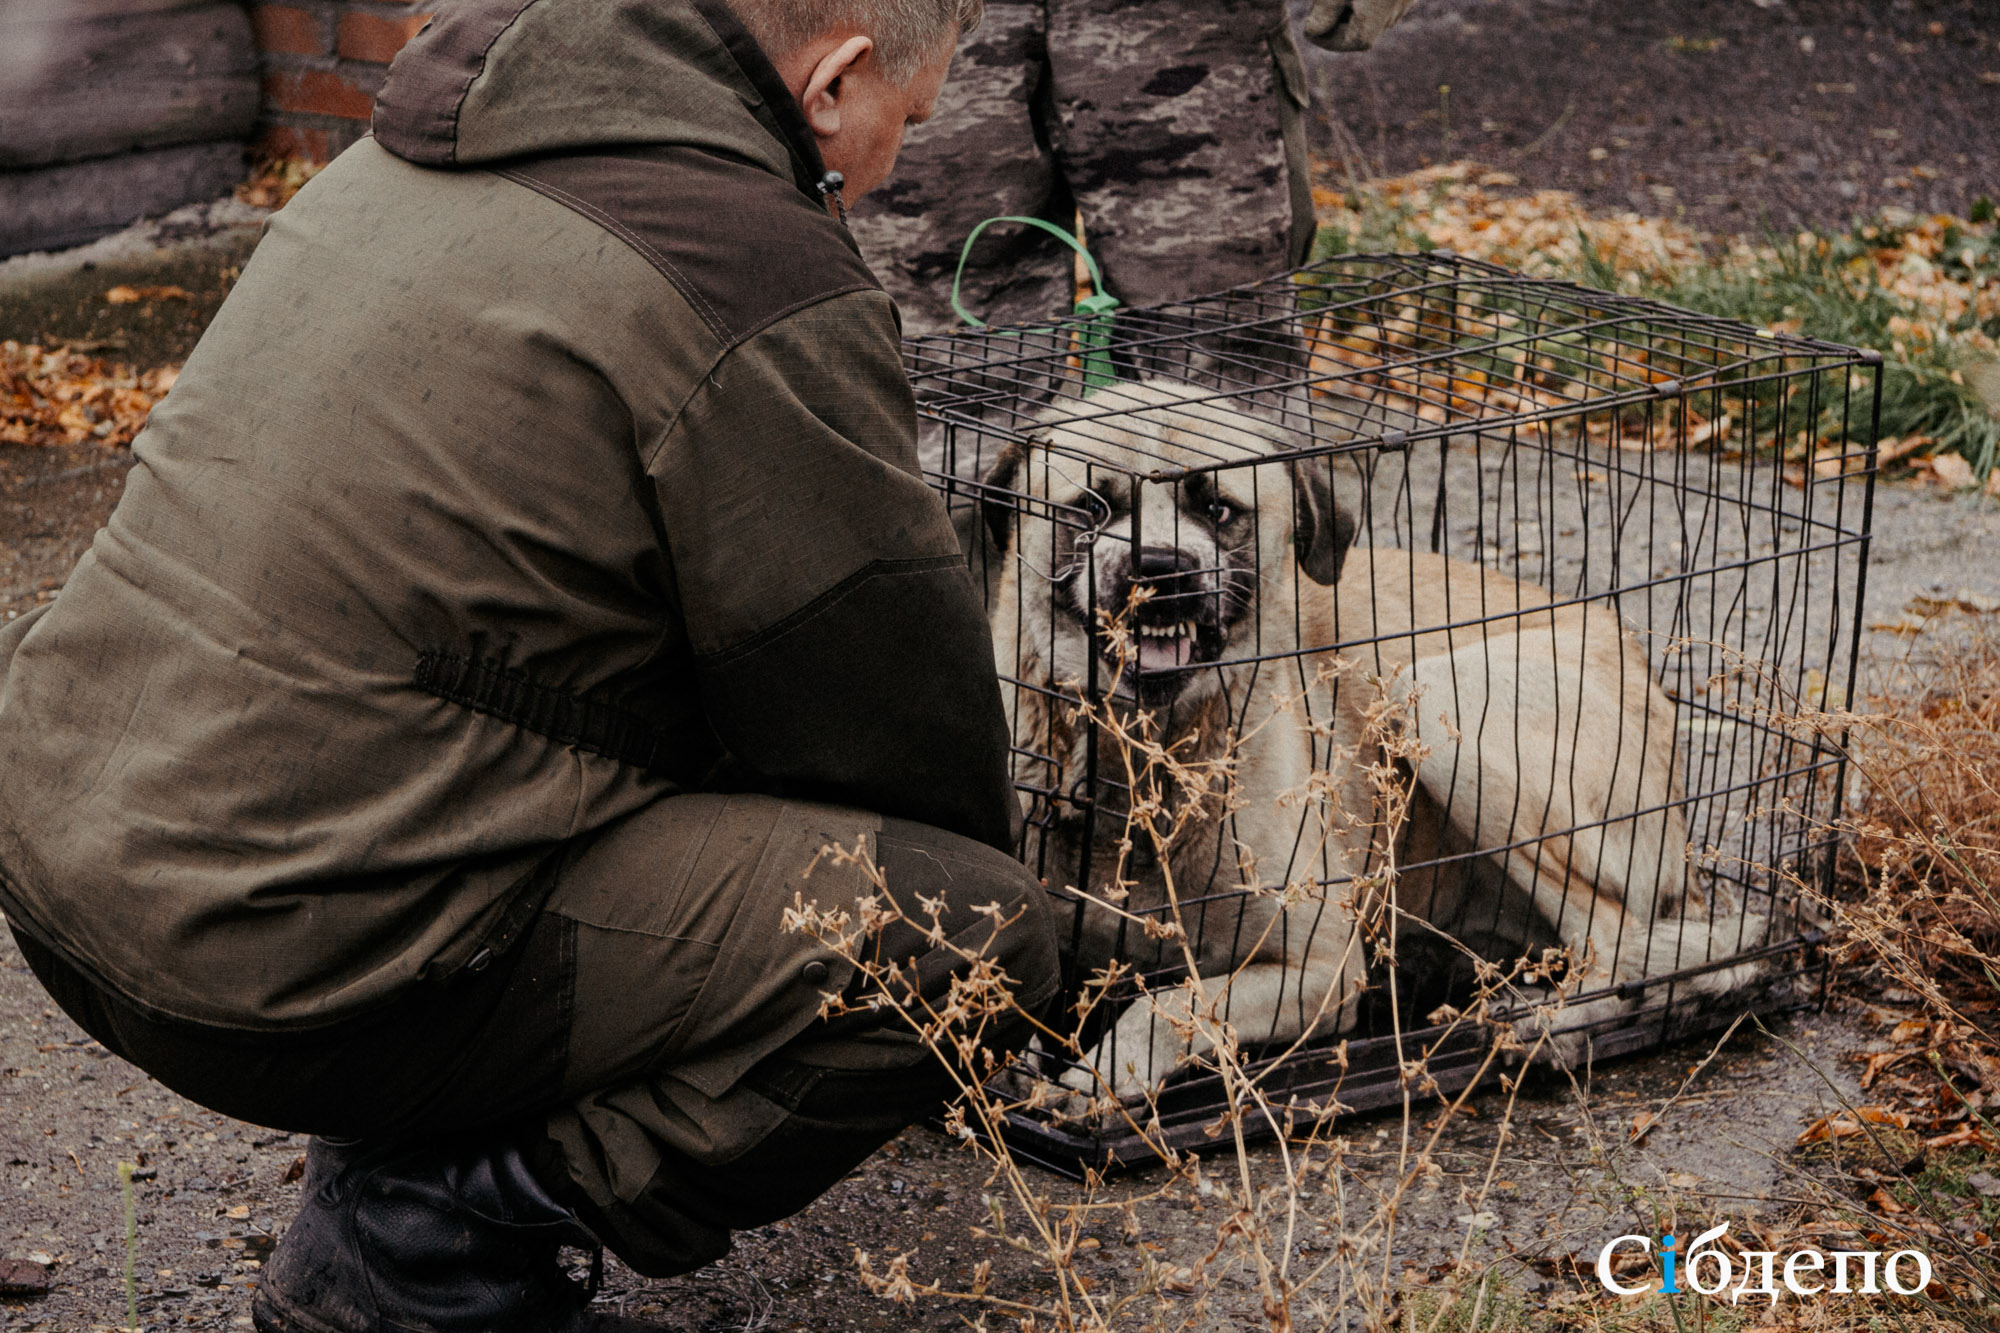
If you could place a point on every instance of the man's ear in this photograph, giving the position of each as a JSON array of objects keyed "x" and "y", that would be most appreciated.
[
  {"x": 1322, "y": 529},
  {"x": 820, "y": 99},
  {"x": 997, "y": 503}
]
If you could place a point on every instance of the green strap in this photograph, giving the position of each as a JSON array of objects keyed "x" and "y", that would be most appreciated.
[{"x": 1096, "y": 334}]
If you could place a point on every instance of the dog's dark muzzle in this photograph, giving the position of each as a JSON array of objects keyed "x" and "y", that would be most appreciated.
[{"x": 1178, "y": 613}]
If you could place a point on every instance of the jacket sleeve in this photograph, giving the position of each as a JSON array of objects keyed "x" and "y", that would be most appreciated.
[{"x": 840, "y": 645}]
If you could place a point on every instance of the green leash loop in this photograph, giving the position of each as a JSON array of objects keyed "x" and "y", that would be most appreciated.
[{"x": 1096, "y": 334}]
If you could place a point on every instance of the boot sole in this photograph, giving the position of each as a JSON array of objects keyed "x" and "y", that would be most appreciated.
[{"x": 269, "y": 1317}]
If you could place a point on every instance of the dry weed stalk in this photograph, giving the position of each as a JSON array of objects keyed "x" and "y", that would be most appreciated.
[
  {"x": 1267, "y": 1209},
  {"x": 1926, "y": 834},
  {"x": 1920, "y": 838},
  {"x": 1916, "y": 930}
]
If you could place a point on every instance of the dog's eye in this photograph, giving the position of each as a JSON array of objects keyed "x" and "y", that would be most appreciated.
[
  {"x": 1095, "y": 505},
  {"x": 1219, "y": 512}
]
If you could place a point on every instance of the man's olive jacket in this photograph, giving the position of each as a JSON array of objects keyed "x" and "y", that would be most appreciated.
[{"x": 552, "y": 455}]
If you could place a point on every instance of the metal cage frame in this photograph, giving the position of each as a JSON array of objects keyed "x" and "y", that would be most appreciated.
[{"x": 1709, "y": 483}]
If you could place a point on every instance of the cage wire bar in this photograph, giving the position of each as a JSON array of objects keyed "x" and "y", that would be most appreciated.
[{"x": 1527, "y": 466}]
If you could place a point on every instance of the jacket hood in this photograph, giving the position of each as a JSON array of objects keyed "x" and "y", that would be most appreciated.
[{"x": 489, "y": 80}]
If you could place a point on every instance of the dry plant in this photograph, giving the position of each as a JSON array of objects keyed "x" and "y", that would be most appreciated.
[
  {"x": 1926, "y": 834},
  {"x": 1915, "y": 942},
  {"x": 1304, "y": 1234},
  {"x": 1273, "y": 1205}
]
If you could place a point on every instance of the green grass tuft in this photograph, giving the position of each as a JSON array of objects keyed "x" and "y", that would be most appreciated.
[
  {"x": 1828, "y": 287},
  {"x": 1937, "y": 379}
]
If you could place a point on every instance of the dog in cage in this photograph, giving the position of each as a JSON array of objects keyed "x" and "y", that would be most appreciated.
[{"x": 1180, "y": 551}]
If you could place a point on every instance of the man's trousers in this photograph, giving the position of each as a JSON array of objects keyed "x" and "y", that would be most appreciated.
[{"x": 654, "y": 1033}]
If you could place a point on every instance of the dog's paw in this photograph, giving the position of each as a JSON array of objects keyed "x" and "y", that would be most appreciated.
[
  {"x": 1050, "y": 1084},
  {"x": 1102, "y": 1079}
]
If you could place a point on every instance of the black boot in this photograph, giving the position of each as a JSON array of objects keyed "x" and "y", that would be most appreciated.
[{"x": 428, "y": 1238}]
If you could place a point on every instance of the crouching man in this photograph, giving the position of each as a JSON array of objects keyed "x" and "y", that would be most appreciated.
[{"x": 527, "y": 576}]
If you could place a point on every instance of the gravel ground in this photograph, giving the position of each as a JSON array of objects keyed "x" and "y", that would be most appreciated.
[
  {"x": 1755, "y": 127},
  {"x": 215, "y": 1193}
]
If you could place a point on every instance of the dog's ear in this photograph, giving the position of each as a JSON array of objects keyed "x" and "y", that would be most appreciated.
[
  {"x": 999, "y": 510},
  {"x": 1322, "y": 529}
]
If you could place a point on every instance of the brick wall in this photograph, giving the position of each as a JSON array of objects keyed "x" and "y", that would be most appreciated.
[{"x": 324, "y": 61}]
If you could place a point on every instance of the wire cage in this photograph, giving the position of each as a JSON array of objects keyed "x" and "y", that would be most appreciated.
[{"x": 1402, "y": 638}]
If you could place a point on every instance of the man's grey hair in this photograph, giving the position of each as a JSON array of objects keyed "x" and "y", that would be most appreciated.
[{"x": 907, "y": 33}]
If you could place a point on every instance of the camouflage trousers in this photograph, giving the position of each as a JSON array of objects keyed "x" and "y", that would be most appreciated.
[{"x": 1177, "y": 130}]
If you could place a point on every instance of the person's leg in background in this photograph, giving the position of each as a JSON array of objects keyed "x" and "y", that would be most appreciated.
[
  {"x": 700, "y": 1090},
  {"x": 1180, "y": 128},
  {"x": 983, "y": 153}
]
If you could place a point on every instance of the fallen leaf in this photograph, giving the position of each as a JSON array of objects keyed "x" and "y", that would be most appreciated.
[
  {"x": 1983, "y": 1184},
  {"x": 1882, "y": 1200},
  {"x": 1967, "y": 1135},
  {"x": 1989, "y": 76},
  {"x": 295, "y": 1171},
  {"x": 1642, "y": 1125},
  {"x": 124, "y": 295},
  {"x": 1710, "y": 431},
  {"x": 1843, "y": 1125},
  {"x": 1952, "y": 470},
  {"x": 1925, "y": 605},
  {"x": 238, "y": 1211},
  {"x": 1895, "y": 448},
  {"x": 1909, "y": 1030}
]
